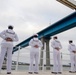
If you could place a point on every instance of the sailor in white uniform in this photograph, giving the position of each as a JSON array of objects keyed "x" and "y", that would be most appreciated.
[
  {"x": 56, "y": 45},
  {"x": 72, "y": 49},
  {"x": 8, "y": 36},
  {"x": 35, "y": 44}
]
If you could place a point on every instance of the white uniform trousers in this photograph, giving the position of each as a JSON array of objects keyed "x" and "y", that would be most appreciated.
[
  {"x": 6, "y": 48},
  {"x": 73, "y": 61},
  {"x": 57, "y": 67},
  {"x": 34, "y": 55}
]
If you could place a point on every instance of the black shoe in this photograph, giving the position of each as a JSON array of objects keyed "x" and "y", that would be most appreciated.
[
  {"x": 36, "y": 72},
  {"x": 30, "y": 72},
  {"x": 71, "y": 72},
  {"x": 60, "y": 72},
  {"x": 8, "y": 72},
  {"x": 54, "y": 72}
]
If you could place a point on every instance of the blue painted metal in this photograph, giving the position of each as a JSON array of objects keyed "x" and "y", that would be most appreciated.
[{"x": 58, "y": 27}]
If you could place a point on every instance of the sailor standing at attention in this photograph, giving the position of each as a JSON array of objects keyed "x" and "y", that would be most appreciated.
[
  {"x": 8, "y": 36},
  {"x": 56, "y": 45},
  {"x": 35, "y": 44},
  {"x": 72, "y": 49}
]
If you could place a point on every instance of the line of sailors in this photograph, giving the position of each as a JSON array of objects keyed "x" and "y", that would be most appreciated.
[
  {"x": 56, "y": 45},
  {"x": 35, "y": 43},
  {"x": 9, "y": 36}
]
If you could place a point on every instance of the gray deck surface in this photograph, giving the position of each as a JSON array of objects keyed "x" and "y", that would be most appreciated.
[{"x": 40, "y": 73}]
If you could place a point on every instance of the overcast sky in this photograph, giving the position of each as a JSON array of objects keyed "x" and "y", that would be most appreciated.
[{"x": 31, "y": 16}]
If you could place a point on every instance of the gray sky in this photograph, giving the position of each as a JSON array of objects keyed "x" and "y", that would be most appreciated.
[{"x": 31, "y": 16}]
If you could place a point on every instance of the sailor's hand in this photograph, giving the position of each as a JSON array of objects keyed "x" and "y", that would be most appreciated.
[
  {"x": 57, "y": 48},
  {"x": 8, "y": 39},
  {"x": 36, "y": 46},
  {"x": 74, "y": 51}
]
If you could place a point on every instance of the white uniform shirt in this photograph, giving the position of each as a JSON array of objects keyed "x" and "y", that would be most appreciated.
[
  {"x": 55, "y": 44},
  {"x": 72, "y": 47},
  {"x": 35, "y": 41},
  {"x": 8, "y": 33}
]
